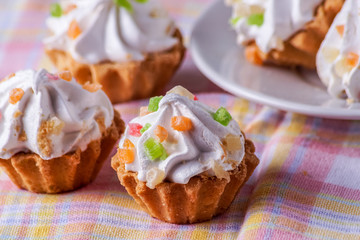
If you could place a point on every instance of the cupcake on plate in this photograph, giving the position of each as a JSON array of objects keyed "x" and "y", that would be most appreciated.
[
  {"x": 182, "y": 161},
  {"x": 131, "y": 48},
  {"x": 54, "y": 133},
  {"x": 338, "y": 58},
  {"x": 283, "y": 32}
]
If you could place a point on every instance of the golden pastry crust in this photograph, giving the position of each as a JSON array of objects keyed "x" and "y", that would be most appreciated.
[
  {"x": 69, "y": 172},
  {"x": 301, "y": 48},
  {"x": 125, "y": 81},
  {"x": 199, "y": 200}
]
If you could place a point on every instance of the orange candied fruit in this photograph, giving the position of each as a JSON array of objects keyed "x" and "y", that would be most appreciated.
[
  {"x": 15, "y": 95},
  {"x": 66, "y": 75},
  {"x": 91, "y": 87},
  {"x": 126, "y": 155},
  {"x": 161, "y": 133},
  {"x": 352, "y": 59},
  {"x": 70, "y": 8},
  {"x": 128, "y": 144},
  {"x": 181, "y": 123},
  {"x": 8, "y": 77},
  {"x": 74, "y": 30},
  {"x": 340, "y": 29},
  {"x": 252, "y": 55}
]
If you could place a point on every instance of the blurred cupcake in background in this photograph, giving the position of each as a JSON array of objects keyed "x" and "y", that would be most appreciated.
[
  {"x": 282, "y": 32},
  {"x": 130, "y": 47}
]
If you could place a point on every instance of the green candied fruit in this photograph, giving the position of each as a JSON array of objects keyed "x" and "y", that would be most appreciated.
[
  {"x": 125, "y": 4},
  {"x": 154, "y": 103},
  {"x": 222, "y": 116},
  {"x": 155, "y": 150},
  {"x": 256, "y": 19},
  {"x": 233, "y": 21},
  {"x": 142, "y": 1},
  {"x": 56, "y": 10},
  {"x": 146, "y": 127}
]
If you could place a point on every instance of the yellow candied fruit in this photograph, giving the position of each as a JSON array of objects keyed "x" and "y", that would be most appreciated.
[
  {"x": 65, "y": 75},
  {"x": 144, "y": 111},
  {"x": 340, "y": 29},
  {"x": 181, "y": 123},
  {"x": 126, "y": 155},
  {"x": 91, "y": 87},
  {"x": 74, "y": 30},
  {"x": 233, "y": 143},
  {"x": 15, "y": 95},
  {"x": 154, "y": 176},
  {"x": 161, "y": 133},
  {"x": 330, "y": 54}
]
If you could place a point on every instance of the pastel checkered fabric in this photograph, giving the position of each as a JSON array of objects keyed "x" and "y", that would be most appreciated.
[{"x": 307, "y": 185}]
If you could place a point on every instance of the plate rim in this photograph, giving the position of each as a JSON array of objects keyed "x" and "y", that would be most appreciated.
[{"x": 249, "y": 94}]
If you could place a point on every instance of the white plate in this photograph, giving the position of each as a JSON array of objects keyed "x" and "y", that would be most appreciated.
[{"x": 215, "y": 52}]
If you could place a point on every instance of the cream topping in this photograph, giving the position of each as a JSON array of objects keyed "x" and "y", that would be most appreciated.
[
  {"x": 281, "y": 19},
  {"x": 338, "y": 58},
  {"x": 112, "y": 33},
  {"x": 201, "y": 150},
  {"x": 46, "y": 115}
]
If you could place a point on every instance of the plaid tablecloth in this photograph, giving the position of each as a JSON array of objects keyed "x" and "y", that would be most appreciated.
[{"x": 307, "y": 185}]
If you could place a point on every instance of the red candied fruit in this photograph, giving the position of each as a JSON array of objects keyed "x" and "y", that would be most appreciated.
[{"x": 134, "y": 129}]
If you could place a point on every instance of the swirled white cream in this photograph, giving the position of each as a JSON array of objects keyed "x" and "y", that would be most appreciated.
[
  {"x": 338, "y": 58},
  {"x": 53, "y": 117},
  {"x": 190, "y": 153},
  {"x": 281, "y": 19},
  {"x": 112, "y": 33}
]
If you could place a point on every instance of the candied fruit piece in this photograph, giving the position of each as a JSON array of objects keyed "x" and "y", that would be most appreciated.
[
  {"x": 69, "y": 8},
  {"x": 233, "y": 21},
  {"x": 154, "y": 150},
  {"x": 145, "y": 128},
  {"x": 330, "y": 54},
  {"x": 340, "y": 29},
  {"x": 182, "y": 92},
  {"x": 222, "y": 116},
  {"x": 161, "y": 133},
  {"x": 126, "y": 155},
  {"x": 128, "y": 144},
  {"x": 219, "y": 171},
  {"x": 0, "y": 116},
  {"x": 8, "y": 77},
  {"x": 252, "y": 55},
  {"x": 74, "y": 30},
  {"x": 341, "y": 67},
  {"x": 233, "y": 143},
  {"x": 66, "y": 75},
  {"x": 256, "y": 19},
  {"x": 91, "y": 87},
  {"x": 56, "y": 10},
  {"x": 134, "y": 129},
  {"x": 352, "y": 59},
  {"x": 15, "y": 95},
  {"x": 181, "y": 123},
  {"x": 154, "y": 176},
  {"x": 144, "y": 111},
  {"x": 195, "y": 98},
  {"x": 154, "y": 103}
]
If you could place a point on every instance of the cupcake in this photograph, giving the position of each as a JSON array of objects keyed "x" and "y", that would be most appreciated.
[
  {"x": 54, "y": 133},
  {"x": 285, "y": 33},
  {"x": 131, "y": 48},
  {"x": 182, "y": 161},
  {"x": 338, "y": 57}
]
